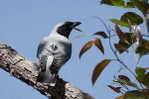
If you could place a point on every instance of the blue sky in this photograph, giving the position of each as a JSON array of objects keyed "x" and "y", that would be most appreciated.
[{"x": 23, "y": 23}]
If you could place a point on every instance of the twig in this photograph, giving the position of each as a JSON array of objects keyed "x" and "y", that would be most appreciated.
[{"x": 112, "y": 49}]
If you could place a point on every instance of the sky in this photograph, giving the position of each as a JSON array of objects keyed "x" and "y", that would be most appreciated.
[{"x": 23, "y": 23}]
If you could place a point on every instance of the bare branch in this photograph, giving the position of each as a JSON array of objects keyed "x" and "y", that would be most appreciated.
[{"x": 27, "y": 72}]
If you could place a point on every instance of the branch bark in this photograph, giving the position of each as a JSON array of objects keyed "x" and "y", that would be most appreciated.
[{"x": 23, "y": 69}]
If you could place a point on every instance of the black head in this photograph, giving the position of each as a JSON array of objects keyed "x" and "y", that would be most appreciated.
[{"x": 66, "y": 27}]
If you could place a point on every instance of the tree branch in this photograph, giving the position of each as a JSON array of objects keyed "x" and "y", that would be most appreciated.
[{"x": 27, "y": 72}]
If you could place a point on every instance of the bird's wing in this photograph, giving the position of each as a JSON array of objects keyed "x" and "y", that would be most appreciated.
[
  {"x": 40, "y": 48},
  {"x": 49, "y": 62}
]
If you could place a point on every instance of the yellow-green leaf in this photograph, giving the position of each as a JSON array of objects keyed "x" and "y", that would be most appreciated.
[
  {"x": 99, "y": 45},
  {"x": 98, "y": 69},
  {"x": 86, "y": 47},
  {"x": 119, "y": 22}
]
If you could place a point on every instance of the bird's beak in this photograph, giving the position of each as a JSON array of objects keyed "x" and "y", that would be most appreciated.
[{"x": 75, "y": 24}]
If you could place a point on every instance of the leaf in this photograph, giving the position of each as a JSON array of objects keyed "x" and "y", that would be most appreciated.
[
  {"x": 119, "y": 32},
  {"x": 108, "y": 2},
  {"x": 98, "y": 69},
  {"x": 136, "y": 94},
  {"x": 116, "y": 89},
  {"x": 131, "y": 18},
  {"x": 142, "y": 76},
  {"x": 119, "y": 22},
  {"x": 141, "y": 5},
  {"x": 102, "y": 34},
  {"x": 128, "y": 83},
  {"x": 120, "y": 48},
  {"x": 129, "y": 5},
  {"x": 99, "y": 45},
  {"x": 86, "y": 47},
  {"x": 128, "y": 40},
  {"x": 119, "y": 3},
  {"x": 120, "y": 97},
  {"x": 123, "y": 77},
  {"x": 140, "y": 71},
  {"x": 143, "y": 47}
]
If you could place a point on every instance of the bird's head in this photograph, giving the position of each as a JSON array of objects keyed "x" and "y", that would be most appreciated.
[{"x": 66, "y": 27}]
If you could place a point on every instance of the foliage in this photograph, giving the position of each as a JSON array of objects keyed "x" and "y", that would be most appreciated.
[{"x": 126, "y": 39}]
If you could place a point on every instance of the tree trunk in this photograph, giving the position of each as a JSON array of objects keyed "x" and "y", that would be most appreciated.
[{"x": 23, "y": 69}]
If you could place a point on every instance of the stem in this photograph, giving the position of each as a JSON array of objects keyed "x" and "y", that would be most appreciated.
[{"x": 117, "y": 57}]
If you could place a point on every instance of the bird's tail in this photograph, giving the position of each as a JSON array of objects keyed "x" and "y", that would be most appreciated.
[{"x": 45, "y": 76}]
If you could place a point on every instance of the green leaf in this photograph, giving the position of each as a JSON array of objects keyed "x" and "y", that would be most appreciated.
[
  {"x": 132, "y": 18},
  {"x": 116, "y": 89},
  {"x": 140, "y": 71},
  {"x": 102, "y": 34},
  {"x": 141, "y": 5},
  {"x": 143, "y": 47},
  {"x": 108, "y": 2},
  {"x": 99, "y": 45},
  {"x": 98, "y": 69},
  {"x": 118, "y": 3},
  {"x": 136, "y": 95},
  {"x": 125, "y": 80},
  {"x": 119, "y": 22},
  {"x": 86, "y": 47},
  {"x": 142, "y": 76},
  {"x": 129, "y": 5}
]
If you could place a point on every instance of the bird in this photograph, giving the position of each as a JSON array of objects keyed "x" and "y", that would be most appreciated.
[{"x": 54, "y": 51}]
